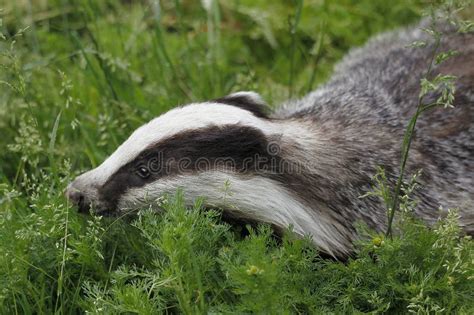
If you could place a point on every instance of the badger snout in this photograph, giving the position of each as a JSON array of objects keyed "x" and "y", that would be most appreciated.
[
  {"x": 83, "y": 194},
  {"x": 78, "y": 198}
]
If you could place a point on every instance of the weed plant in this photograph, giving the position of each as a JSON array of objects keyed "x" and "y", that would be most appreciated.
[{"x": 77, "y": 76}]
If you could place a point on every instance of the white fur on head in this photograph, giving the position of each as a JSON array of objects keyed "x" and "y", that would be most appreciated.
[
  {"x": 257, "y": 198},
  {"x": 250, "y": 95},
  {"x": 189, "y": 117}
]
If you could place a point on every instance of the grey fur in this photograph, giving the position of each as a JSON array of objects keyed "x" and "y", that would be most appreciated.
[{"x": 364, "y": 110}]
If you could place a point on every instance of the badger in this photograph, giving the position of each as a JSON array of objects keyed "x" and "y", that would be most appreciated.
[{"x": 307, "y": 163}]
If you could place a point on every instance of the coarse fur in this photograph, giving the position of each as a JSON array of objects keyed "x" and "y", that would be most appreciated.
[{"x": 307, "y": 164}]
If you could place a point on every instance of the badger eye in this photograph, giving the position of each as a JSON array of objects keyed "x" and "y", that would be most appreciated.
[{"x": 143, "y": 172}]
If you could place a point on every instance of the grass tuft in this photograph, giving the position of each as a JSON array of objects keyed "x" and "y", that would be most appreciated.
[{"x": 77, "y": 76}]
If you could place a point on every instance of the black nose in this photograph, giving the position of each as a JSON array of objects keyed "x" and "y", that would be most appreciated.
[{"x": 78, "y": 199}]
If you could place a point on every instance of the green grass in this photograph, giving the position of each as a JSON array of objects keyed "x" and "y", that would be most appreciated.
[{"x": 86, "y": 73}]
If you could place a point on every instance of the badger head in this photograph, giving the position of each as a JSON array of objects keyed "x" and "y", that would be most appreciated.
[
  {"x": 194, "y": 147},
  {"x": 227, "y": 151}
]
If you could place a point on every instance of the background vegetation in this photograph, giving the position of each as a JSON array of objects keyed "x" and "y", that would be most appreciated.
[{"x": 77, "y": 76}]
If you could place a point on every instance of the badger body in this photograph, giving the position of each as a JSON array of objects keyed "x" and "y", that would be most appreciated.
[{"x": 308, "y": 163}]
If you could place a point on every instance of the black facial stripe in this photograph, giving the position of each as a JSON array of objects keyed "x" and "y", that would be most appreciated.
[
  {"x": 248, "y": 148},
  {"x": 239, "y": 148},
  {"x": 246, "y": 103}
]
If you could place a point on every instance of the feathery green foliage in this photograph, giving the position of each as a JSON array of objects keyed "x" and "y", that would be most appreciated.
[{"x": 79, "y": 75}]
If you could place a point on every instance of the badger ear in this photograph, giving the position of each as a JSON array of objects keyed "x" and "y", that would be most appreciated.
[{"x": 247, "y": 100}]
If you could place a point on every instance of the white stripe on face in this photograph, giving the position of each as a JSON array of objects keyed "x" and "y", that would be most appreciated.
[
  {"x": 256, "y": 198},
  {"x": 193, "y": 116}
]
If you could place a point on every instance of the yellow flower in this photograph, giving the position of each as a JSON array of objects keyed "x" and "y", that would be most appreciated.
[
  {"x": 254, "y": 270},
  {"x": 377, "y": 241}
]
